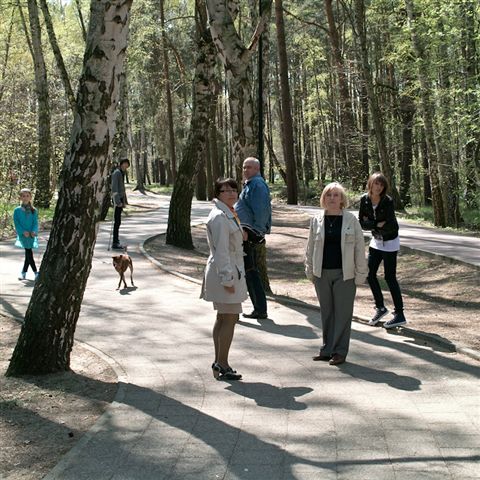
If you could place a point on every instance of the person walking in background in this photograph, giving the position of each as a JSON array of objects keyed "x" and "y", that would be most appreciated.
[
  {"x": 377, "y": 213},
  {"x": 224, "y": 280},
  {"x": 255, "y": 212},
  {"x": 25, "y": 219},
  {"x": 119, "y": 198},
  {"x": 335, "y": 263}
]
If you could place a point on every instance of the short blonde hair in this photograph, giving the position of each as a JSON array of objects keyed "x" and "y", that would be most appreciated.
[{"x": 334, "y": 186}]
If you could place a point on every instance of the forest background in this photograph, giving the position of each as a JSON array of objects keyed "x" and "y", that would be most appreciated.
[
  {"x": 317, "y": 90},
  {"x": 388, "y": 85}
]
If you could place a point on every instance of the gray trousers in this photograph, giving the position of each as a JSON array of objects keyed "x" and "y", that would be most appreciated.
[{"x": 336, "y": 298}]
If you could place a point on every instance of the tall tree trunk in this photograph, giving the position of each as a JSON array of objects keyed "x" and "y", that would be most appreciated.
[
  {"x": 428, "y": 113},
  {"x": 168, "y": 96},
  {"x": 58, "y": 56},
  {"x": 349, "y": 140},
  {"x": 42, "y": 188},
  {"x": 236, "y": 59},
  {"x": 3, "y": 67},
  {"x": 204, "y": 92},
  {"x": 140, "y": 186},
  {"x": 25, "y": 29},
  {"x": 287, "y": 130},
  {"x": 306, "y": 133},
  {"x": 448, "y": 171},
  {"x": 80, "y": 19},
  {"x": 376, "y": 113},
  {"x": 47, "y": 336},
  {"x": 472, "y": 102},
  {"x": 407, "y": 114}
]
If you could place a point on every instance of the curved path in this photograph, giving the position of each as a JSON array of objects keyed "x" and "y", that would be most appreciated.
[{"x": 396, "y": 410}]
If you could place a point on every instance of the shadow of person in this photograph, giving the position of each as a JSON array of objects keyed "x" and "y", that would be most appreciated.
[
  {"x": 270, "y": 396},
  {"x": 293, "y": 330},
  {"x": 126, "y": 291},
  {"x": 400, "y": 382}
]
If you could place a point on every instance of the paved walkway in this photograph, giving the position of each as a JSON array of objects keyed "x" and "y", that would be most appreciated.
[{"x": 396, "y": 410}]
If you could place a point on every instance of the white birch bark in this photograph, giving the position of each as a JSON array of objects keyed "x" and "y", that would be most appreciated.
[
  {"x": 236, "y": 59},
  {"x": 46, "y": 339}
]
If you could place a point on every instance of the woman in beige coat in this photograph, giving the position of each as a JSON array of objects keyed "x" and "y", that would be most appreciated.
[
  {"x": 224, "y": 282},
  {"x": 335, "y": 262}
]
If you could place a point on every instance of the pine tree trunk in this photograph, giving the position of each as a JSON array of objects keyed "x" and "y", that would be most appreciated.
[
  {"x": 428, "y": 110},
  {"x": 349, "y": 146},
  {"x": 6, "y": 55},
  {"x": 58, "y": 56},
  {"x": 287, "y": 130},
  {"x": 47, "y": 336},
  {"x": 407, "y": 113},
  {"x": 168, "y": 96},
  {"x": 43, "y": 192},
  {"x": 376, "y": 113},
  {"x": 472, "y": 102}
]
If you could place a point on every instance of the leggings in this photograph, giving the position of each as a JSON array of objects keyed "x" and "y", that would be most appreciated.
[
  {"x": 375, "y": 257},
  {"x": 29, "y": 261}
]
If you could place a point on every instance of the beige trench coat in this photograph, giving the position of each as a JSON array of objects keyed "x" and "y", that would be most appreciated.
[{"x": 225, "y": 265}]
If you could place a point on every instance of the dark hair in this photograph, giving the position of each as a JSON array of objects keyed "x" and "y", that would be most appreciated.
[
  {"x": 380, "y": 178},
  {"x": 221, "y": 182},
  {"x": 124, "y": 160}
]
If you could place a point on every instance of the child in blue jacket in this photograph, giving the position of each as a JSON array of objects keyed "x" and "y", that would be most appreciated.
[{"x": 25, "y": 218}]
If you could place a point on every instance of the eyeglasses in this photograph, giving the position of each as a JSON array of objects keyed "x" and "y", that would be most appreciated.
[{"x": 229, "y": 191}]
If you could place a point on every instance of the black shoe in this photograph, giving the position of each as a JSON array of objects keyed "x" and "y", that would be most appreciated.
[
  {"x": 397, "y": 320},
  {"x": 231, "y": 374},
  {"x": 320, "y": 357},
  {"x": 117, "y": 246},
  {"x": 221, "y": 373},
  {"x": 254, "y": 314},
  {"x": 379, "y": 314}
]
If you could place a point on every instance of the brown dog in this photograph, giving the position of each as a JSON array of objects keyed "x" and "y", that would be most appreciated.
[{"x": 121, "y": 263}]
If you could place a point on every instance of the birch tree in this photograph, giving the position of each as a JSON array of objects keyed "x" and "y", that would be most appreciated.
[
  {"x": 47, "y": 336},
  {"x": 42, "y": 193},
  {"x": 236, "y": 59}
]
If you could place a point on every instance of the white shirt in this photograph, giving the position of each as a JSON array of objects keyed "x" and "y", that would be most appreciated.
[{"x": 385, "y": 245}]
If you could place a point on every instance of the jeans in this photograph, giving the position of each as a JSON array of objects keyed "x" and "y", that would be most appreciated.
[
  {"x": 117, "y": 220},
  {"x": 375, "y": 257},
  {"x": 252, "y": 276}
]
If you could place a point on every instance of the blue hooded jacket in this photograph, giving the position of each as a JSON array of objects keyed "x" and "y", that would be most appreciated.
[{"x": 25, "y": 221}]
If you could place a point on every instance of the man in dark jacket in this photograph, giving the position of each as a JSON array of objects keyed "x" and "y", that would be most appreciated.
[{"x": 119, "y": 198}]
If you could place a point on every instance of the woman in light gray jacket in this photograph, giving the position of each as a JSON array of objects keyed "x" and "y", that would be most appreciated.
[
  {"x": 335, "y": 262},
  {"x": 224, "y": 281}
]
